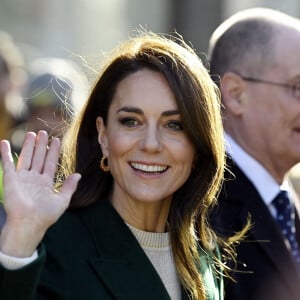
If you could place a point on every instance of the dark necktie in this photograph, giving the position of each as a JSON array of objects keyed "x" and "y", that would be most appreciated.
[{"x": 286, "y": 220}]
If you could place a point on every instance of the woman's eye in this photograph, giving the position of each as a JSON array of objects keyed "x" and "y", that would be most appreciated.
[
  {"x": 129, "y": 122},
  {"x": 175, "y": 125}
]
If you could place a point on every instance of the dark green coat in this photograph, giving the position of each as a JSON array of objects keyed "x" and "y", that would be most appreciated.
[{"x": 90, "y": 254}]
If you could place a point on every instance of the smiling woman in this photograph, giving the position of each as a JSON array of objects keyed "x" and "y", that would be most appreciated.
[
  {"x": 149, "y": 157},
  {"x": 149, "y": 147}
]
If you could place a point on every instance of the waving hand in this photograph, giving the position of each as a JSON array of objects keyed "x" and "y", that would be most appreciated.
[{"x": 31, "y": 203}]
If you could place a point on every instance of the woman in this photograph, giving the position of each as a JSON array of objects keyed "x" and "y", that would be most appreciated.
[{"x": 148, "y": 146}]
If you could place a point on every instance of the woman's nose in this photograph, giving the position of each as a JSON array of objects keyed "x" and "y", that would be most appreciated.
[{"x": 151, "y": 140}]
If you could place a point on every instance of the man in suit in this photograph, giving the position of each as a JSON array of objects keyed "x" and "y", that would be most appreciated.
[{"x": 254, "y": 57}]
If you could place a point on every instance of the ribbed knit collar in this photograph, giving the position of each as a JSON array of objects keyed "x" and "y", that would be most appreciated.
[{"x": 151, "y": 239}]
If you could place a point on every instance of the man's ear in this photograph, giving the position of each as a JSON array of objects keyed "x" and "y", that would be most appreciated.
[
  {"x": 102, "y": 136},
  {"x": 233, "y": 89}
]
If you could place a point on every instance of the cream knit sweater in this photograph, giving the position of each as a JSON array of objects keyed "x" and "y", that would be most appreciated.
[{"x": 158, "y": 249}]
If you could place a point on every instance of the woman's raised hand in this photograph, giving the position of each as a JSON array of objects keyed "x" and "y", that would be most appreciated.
[{"x": 31, "y": 203}]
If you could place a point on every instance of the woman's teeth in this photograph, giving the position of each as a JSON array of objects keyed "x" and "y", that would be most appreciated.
[{"x": 149, "y": 168}]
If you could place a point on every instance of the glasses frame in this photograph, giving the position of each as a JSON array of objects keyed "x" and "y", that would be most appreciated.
[{"x": 294, "y": 88}]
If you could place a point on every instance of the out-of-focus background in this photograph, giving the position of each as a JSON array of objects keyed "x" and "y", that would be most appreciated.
[{"x": 67, "y": 28}]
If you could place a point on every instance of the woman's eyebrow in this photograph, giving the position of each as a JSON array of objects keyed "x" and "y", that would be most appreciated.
[
  {"x": 136, "y": 110},
  {"x": 170, "y": 112},
  {"x": 131, "y": 109}
]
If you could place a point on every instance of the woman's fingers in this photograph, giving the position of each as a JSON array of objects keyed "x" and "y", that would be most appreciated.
[
  {"x": 40, "y": 151},
  {"x": 36, "y": 155},
  {"x": 69, "y": 186},
  {"x": 25, "y": 158},
  {"x": 7, "y": 159},
  {"x": 52, "y": 157}
]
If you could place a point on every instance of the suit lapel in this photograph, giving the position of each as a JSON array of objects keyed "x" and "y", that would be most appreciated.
[
  {"x": 243, "y": 192},
  {"x": 122, "y": 265}
]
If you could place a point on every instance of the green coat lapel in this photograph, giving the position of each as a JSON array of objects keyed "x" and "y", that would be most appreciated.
[{"x": 122, "y": 265}]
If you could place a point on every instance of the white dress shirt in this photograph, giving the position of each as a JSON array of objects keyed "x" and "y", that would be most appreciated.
[{"x": 263, "y": 181}]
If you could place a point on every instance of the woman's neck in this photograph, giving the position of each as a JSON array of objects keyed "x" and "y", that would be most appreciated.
[{"x": 151, "y": 217}]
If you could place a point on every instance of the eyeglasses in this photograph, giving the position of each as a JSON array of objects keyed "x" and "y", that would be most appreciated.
[{"x": 293, "y": 88}]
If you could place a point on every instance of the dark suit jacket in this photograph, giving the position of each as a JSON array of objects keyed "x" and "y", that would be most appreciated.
[
  {"x": 268, "y": 271},
  {"x": 91, "y": 254}
]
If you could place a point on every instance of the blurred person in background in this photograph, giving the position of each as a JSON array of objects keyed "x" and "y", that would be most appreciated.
[
  {"x": 254, "y": 56},
  {"x": 56, "y": 89},
  {"x": 12, "y": 79}
]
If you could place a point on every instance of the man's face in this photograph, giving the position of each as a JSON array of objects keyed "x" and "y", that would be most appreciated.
[{"x": 270, "y": 124}]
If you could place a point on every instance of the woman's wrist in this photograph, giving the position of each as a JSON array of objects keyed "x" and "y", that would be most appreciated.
[{"x": 19, "y": 240}]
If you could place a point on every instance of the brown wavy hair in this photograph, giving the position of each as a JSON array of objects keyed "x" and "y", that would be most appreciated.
[{"x": 198, "y": 102}]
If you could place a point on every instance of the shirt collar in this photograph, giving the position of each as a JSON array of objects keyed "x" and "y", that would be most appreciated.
[{"x": 265, "y": 184}]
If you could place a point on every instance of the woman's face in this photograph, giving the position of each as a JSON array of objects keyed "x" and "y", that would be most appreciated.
[{"x": 149, "y": 154}]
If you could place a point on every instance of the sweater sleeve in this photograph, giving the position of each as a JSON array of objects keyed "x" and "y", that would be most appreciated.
[{"x": 14, "y": 263}]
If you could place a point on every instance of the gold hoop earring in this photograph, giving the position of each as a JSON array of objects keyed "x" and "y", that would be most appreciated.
[{"x": 104, "y": 164}]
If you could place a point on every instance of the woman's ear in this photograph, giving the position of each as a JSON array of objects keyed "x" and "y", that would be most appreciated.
[
  {"x": 102, "y": 135},
  {"x": 232, "y": 90}
]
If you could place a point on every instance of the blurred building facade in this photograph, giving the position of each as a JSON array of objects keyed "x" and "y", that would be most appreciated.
[{"x": 66, "y": 28}]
